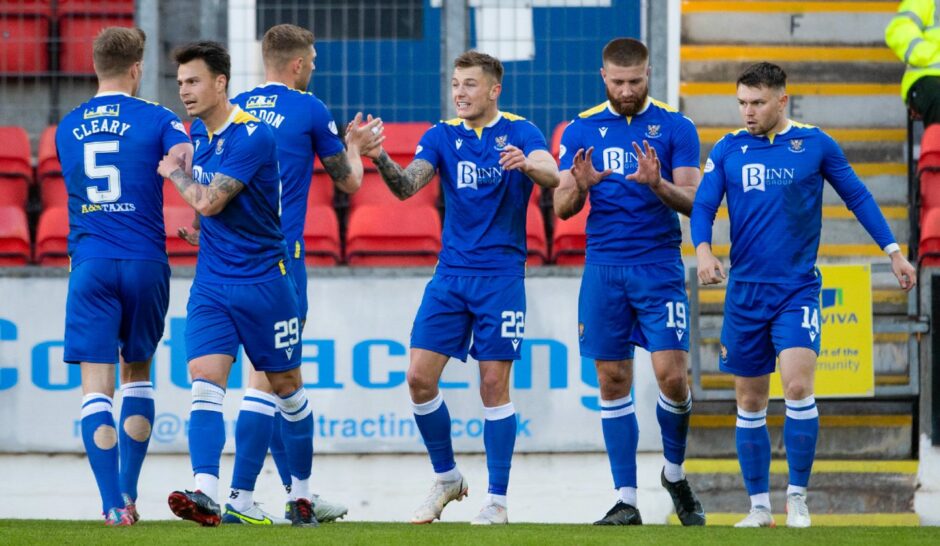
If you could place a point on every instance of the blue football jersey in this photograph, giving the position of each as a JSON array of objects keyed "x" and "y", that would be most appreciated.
[
  {"x": 243, "y": 243},
  {"x": 628, "y": 224},
  {"x": 302, "y": 126},
  {"x": 774, "y": 187},
  {"x": 485, "y": 217},
  {"x": 109, "y": 148}
]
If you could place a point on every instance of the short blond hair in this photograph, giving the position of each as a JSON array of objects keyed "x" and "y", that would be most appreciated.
[
  {"x": 116, "y": 49},
  {"x": 284, "y": 43}
]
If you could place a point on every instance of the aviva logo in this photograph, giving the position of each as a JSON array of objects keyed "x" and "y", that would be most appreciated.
[
  {"x": 261, "y": 101},
  {"x": 831, "y": 297},
  {"x": 103, "y": 111}
]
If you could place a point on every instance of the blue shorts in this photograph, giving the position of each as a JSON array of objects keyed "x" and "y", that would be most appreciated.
[
  {"x": 623, "y": 307},
  {"x": 115, "y": 305},
  {"x": 491, "y": 309},
  {"x": 763, "y": 319},
  {"x": 298, "y": 271},
  {"x": 262, "y": 317}
]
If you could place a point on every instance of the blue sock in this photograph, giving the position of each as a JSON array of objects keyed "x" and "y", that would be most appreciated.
[
  {"x": 499, "y": 440},
  {"x": 278, "y": 453},
  {"x": 753, "y": 444},
  {"x": 800, "y": 429},
  {"x": 101, "y": 445},
  {"x": 206, "y": 429},
  {"x": 297, "y": 432},
  {"x": 253, "y": 431},
  {"x": 137, "y": 413},
  {"x": 621, "y": 434},
  {"x": 673, "y": 420},
  {"x": 433, "y": 422}
]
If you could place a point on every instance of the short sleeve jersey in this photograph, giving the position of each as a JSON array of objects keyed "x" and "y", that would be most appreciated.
[
  {"x": 485, "y": 205},
  {"x": 109, "y": 148},
  {"x": 302, "y": 126},
  {"x": 243, "y": 243},
  {"x": 628, "y": 224}
]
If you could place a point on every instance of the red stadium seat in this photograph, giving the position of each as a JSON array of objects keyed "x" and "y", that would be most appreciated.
[
  {"x": 930, "y": 237},
  {"x": 536, "y": 241},
  {"x": 375, "y": 192},
  {"x": 569, "y": 240},
  {"x": 321, "y": 236},
  {"x": 14, "y": 236},
  {"x": 393, "y": 235},
  {"x": 96, "y": 7},
  {"x": 930, "y": 188},
  {"x": 14, "y": 191},
  {"x": 401, "y": 140},
  {"x": 77, "y": 34},
  {"x": 556, "y": 138},
  {"x": 178, "y": 250},
  {"x": 929, "y": 148},
  {"x": 53, "y": 192},
  {"x": 48, "y": 161},
  {"x": 52, "y": 237},
  {"x": 321, "y": 190},
  {"x": 14, "y": 153},
  {"x": 26, "y": 7},
  {"x": 172, "y": 197},
  {"x": 23, "y": 43}
]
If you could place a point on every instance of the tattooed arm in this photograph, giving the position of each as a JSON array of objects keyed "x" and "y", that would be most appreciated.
[
  {"x": 404, "y": 182},
  {"x": 346, "y": 174}
]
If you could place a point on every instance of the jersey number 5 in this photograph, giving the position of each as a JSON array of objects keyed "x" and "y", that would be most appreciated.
[{"x": 112, "y": 191}]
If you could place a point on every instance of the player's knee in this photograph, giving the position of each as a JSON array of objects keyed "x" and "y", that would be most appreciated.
[
  {"x": 751, "y": 402},
  {"x": 675, "y": 385},
  {"x": 493, "y": 388},
  {"x": 797, "y": 390},
  {"x": 137, "y": 427},
  {"x": 105, "y": 437},
  {"x": 419, "y": 381}
]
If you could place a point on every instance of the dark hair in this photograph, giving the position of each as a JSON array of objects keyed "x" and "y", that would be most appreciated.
[
  {"x": 763, "y": 75},
  {"x": 488, "y": 63},
  {"x": 625, "y": 52},
  {"x": 283, "y": 43},
  {"x": 213, "y": 54},
  {"x": 116, "y": 49}
]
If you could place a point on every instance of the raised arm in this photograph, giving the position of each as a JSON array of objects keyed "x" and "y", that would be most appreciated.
[
  {"x": 404, "y": 182},
  {"x": 206, "y": 200},
  {"x": 539, "y": 165},
  {"x": 345, "y": 168},
  {"x": 575, "y": 183},
  {"x": 678, "y": 195}
]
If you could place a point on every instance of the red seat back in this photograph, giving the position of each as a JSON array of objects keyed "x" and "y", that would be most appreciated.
[
  {"x": 536, "y": 241},
  {"x": 52, "y": 237},
  {"x": 179, "y": 251},
  {"x": 15, "y": 153},
  {"x": 569, "y": 240},
  {"x": 23, "y": 43},
  {"x": 76, "y": 35},
  {"x": 14, "y": 236},
  {"x": 393, "y": 235},
  {"x": 374, "y": 191},
  {"x": 48, "y": 161}
]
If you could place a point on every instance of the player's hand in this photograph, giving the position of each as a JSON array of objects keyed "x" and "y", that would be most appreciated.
[
  {"x": 512, "y": 158},
  {"x": 647, "y": 166},
  {"x": 583, "y": 171},
  {"x": 710, "y": 270},
  {"x": 365, "y": 137},
  {"x": 191, "y": 237},
  {"x": 904, "y": 271},
  {"x": 170, "y": 163}
]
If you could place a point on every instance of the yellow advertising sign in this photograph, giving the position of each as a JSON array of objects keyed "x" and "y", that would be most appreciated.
[{"x": 845, "y": 366}]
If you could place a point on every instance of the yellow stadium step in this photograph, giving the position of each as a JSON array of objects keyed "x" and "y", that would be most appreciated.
[
  {"x": 878, "y": 337},
  {"x": 836, "y": 212},
  {"x": 849, "y": 89},
  {"x": 883, "y": 296},
  {"x": 825, "y": 466},
  {"x": 830, "y": 250},
  {"x": 722, "y": 381},
  {"x": 786, "y": 53},
  {"x": 825, "y": 421},
  {"x": 727, "y": 519},
  {"x": 841, "y": 135},
  {"x": 706, "y": 6}
]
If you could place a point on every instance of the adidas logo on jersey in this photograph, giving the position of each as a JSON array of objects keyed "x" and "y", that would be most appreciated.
[{"x": 603, "y": 131}]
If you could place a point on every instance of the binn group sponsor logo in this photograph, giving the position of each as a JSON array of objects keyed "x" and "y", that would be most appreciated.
[
  {"x": 757, "y": 176},
  {"x": 619, "y": 160},
  {"x": 469, "y": 175}
]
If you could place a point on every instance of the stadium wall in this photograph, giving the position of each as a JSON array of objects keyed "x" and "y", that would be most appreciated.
[{"x": 355, "y": 354}]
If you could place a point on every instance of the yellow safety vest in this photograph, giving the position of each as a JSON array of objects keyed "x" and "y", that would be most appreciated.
[{"x": 914, "y": 36}]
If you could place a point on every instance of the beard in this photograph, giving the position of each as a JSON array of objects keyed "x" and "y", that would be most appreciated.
[{"x": 629, "y": 109}]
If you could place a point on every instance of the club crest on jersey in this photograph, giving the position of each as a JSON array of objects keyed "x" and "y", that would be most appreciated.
[
  {"x": 261, "y": 101},
  {"x": 103, "y": 111},
  {"x": 723, "y": 353},
  {"x": 218, "y": 146},
  {"x": 501, "y": 142},
  {"x": 796, "y": 145},
  {"x": 652, "y": 131}
]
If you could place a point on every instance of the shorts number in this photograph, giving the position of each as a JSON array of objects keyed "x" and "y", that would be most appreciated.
[
  {"x": 513, "y": 324},
  {"x": 286, "y": 333},
  {"x": 677, "y": 316},
  {"x": 810, "y": 320},
  {"x": 93, "y": 170}
]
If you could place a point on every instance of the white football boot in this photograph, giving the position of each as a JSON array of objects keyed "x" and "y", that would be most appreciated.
[
  {"x": 759, "y": 516},
  {"x": 440, "y": 494},
  {"x": 797, "y": 512}
]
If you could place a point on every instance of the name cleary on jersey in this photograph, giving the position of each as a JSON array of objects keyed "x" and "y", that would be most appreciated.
[{"x": 96, "y": 126}]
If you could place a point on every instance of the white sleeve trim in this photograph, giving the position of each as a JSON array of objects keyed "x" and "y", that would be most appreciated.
[{"x": 891, "y": 248}]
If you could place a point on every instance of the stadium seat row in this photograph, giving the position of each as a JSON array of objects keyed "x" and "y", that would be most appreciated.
[
  {"x": 928, "y": 169},
  {"x": 29, "y": 28},
  {"x": 380, "y": 230}
]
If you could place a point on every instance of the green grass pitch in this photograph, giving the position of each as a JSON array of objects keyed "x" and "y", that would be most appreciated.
[{"x": 372, "y": 534}]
